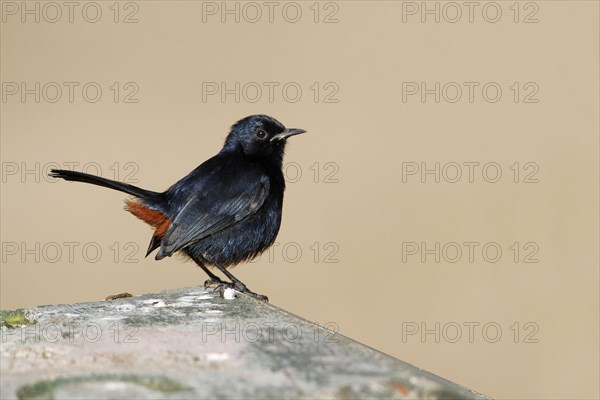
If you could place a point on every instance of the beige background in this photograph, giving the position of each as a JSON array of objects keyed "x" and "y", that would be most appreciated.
[{"x": 371, "y": 294}]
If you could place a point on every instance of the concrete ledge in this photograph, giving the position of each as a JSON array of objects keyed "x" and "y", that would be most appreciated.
[{"x": 191, "y": 343}]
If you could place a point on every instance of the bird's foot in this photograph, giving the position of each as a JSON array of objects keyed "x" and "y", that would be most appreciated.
[
  {"x": 259, "y": 297},
  {"x": 214, "y": 283},
  {"x": 220, "y": 286},
  {"x": 238, "y": 286}
]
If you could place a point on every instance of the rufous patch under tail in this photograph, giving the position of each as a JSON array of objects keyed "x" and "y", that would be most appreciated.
[{"x": 154, "y": 218}]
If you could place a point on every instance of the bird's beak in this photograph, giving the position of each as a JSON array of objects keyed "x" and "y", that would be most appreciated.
[{"x": 286, "y": 134}]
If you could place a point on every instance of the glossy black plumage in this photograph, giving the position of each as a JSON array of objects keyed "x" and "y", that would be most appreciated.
[
  {"x": 225, "y": 211},
  {"x": 234, "y": 214}
]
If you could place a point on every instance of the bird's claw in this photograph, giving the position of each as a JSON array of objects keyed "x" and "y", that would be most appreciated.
[
  {"x": 259, "y": 297},
  {"x": 240, "y": 287},
  {"x": 237, "y": 286},
  {"x": 213, "y": 283},
  {"x": 220, "y": 286}
]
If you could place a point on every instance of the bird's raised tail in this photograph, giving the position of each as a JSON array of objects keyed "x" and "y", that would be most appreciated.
[{"x": 99, "y": 181}]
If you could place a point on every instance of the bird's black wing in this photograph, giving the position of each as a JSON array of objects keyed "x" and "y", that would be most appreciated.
[{"x": 223, "y": 200}]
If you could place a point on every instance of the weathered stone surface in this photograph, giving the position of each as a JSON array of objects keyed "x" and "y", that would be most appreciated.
[{"x": 190, "y": 343}]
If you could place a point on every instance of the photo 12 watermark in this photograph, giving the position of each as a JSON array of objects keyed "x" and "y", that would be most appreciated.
[
  {"x": 70, "y": 92},
  {"x": 70, "y": 12},
  {"x": 470, "y": 172},
  {"x": 269, "y": 332},
  {"x": 294, "y": 252},
  {"x": 253, "y": 12},
  {"x": 469, "y": 332},
  {"x": 39, "y": 171},
  {"x": 470, "y": 252},
  {"x": 270, "y": 92},
  {"x": 70, "y": 252},
  {"x": 470, "y": 12},
  {"x": 470, "y": 92},
  {"x": 90, "y": 332}
]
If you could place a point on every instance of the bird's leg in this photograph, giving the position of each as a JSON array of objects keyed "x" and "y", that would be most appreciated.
[
  {"x": 239, "y": 285},
  {"x": 214, "y": 279}
]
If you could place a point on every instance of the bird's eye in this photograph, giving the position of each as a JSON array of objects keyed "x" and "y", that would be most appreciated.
[{"x": 261, "y": 134}]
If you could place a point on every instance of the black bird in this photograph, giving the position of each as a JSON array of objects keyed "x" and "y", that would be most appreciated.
[{"x": 225, "y": 211}]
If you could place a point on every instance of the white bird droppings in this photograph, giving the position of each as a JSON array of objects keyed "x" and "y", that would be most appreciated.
[
  {"x": 229, "y": 294},
  {"x": 217, "y": 356}
]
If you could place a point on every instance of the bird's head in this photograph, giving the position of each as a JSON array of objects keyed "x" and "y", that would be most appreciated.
[{"x": 259, "y": 136}]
